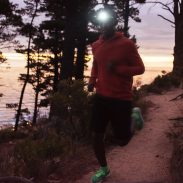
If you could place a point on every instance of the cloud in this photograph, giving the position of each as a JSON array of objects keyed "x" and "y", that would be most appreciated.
[{"x": 155, "y": 36}]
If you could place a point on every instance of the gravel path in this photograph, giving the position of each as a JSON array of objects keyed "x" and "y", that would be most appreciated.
[{"x": 146, "y": 158}]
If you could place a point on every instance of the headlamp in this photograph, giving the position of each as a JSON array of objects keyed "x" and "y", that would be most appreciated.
[{"x": 103, "y": 16}]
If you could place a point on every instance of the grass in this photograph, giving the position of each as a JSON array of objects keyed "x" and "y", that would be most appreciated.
[
  {"x": 36, "y": 154},
  {"x": 31, "y": 151},
  {"x": 8, "y": 134},
  {"x": 44, "y": 154}
]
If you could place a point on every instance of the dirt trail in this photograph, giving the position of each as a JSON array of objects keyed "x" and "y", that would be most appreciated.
[{"x": 147, "y": 157}]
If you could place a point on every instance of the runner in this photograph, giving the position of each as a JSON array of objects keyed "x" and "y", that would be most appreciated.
[{"x": 116, "y": 61}]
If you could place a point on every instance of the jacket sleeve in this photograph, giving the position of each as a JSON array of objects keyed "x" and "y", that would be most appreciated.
[
  {"x": 94, "y": 73},
  {"x": 135, "y": 65},
  {"x": 94, "y": 70}
]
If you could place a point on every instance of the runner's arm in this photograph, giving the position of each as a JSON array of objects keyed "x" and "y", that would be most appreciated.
[
  {"x": 94, "y": 73},
  {"x": 135, "y": 67}
]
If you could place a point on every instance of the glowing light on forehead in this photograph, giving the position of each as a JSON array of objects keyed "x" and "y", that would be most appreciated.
[{"x": 103, "y": 16}]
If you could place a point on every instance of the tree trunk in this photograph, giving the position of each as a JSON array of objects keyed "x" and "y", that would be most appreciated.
[
  {"x": 69, "y": 44},
  {"x": 126, "y": 18},
  {"x": 56, "y": 74},
  {"x": 35, "y": 108},
  {"x": 178, "y": 49},
  {"x": 55, "y": 83},
  {"x": 68, "y": 56},
  {"x": 81, "y": 49},
  {"x": 80, "y": 60},
  {"x": 38, "y": 70},
  {"x": 56, "y": 70}
]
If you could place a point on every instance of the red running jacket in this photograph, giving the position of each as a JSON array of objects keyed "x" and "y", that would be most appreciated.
[{"x": 122, "y": 53}]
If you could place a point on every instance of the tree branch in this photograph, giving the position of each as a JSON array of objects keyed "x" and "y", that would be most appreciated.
[
  {"x": 6, "y": 47},
  {"x": 165, "y": 8},
  {"x": 164, "y": 5},
  {"x": 177, "y": 97},
  {"x": 166, "y": 19}
]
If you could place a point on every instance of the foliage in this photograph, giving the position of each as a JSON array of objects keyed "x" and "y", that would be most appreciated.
[
  {"x": 6, "y": 162},
  {"x": 39, "y": 152},
  {"x": 33, "y": 151},
  {"x": 8, "y": 134},
  {"x": 125, "y": 10},
  {"x": 65, "y": 35},
  {"x": 159, "y": 84},
  {"x": 44, "y": 143},
  {"x": 52, "y": 37},
  {"x": 163, "y": 83},
  {"x": 2, "y": 58},
  {"x": 31, "y": 10},
  {"x": 71, "y": 109},
  {"x": 9, "y": 19}
]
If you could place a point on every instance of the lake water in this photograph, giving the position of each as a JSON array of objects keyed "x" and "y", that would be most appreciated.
[{"x": 10, "y": 87}]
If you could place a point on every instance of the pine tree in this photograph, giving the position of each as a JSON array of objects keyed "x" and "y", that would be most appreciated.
[
  {"x": 67, "y": 67},
  {"x": 54, "y": 35},
  {"x": 82, "y": 36},
  {"x": 127, "y": 9},
  {"x": 39, "y": 68},
  {"x": 28, "y": 30},
  {"x": 9, "y": 20}
]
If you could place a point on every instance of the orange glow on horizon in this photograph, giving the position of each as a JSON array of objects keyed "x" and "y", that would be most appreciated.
[
  {"x": 158, "y": 61},
  {"x": 19, "y": 60}
]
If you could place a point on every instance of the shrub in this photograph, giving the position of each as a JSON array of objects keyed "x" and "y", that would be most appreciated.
[
  {"x": 6, "y": 162},
  {"x": 32, "y": 156},
  {"x": 71, "y": 110},
  {"x": 162, "y": 83},
  {"x": 8, "y": 135}
]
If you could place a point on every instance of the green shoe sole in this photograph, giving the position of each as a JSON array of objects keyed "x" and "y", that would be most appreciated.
[{"x": 103, "y": 180}]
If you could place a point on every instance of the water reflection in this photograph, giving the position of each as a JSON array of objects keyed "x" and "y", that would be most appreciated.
[{"x": 10, "y": 87}]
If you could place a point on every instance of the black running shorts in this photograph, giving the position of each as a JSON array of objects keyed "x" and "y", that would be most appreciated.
[{"x": 116, "y": 111}]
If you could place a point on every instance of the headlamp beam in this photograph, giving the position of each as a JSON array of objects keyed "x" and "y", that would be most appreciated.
[{"x": 103, "y": 16}]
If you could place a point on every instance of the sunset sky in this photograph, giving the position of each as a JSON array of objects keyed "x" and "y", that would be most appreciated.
[{"x": 155, "y": 37}]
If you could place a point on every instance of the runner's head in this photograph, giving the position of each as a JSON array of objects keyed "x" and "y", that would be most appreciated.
[{"x": 107, "y": 19}]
